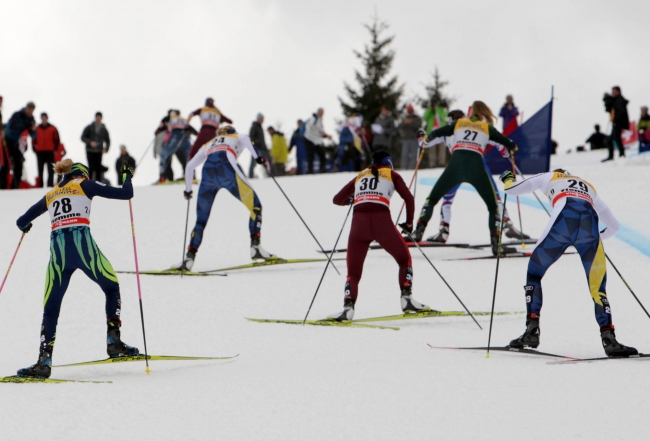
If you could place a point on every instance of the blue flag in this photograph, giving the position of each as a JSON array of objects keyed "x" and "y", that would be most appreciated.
[{"x": 534, "y": 141}]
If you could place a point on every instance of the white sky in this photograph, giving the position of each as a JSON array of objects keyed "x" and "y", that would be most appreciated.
[{"x": 133, "y": 60}]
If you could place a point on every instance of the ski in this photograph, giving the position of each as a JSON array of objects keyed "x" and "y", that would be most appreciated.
[
  {"x": 141, "y": 357},
  {"x": 267, "y": 263},
  {"x": 17, "y": 379},
  {"x": 175, "y": 272},
  {"x": 503, "y": 256},
  {"x": 508, "y": 349},
  {"x": 426, "y": 314},
  {"x": 176, "y": 182},
  {"x": 640, "y": 357},
  {"x": 508, "y": 243},
  {"x": 423, "y": 244},
  {"x": 326, "y": 322}
]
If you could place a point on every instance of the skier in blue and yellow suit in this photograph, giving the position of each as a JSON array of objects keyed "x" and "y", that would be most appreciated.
[
  {"x": 577, "y": 211},
  {"x": 222, "y": 171},
  {"x": 72, "y": 247}
]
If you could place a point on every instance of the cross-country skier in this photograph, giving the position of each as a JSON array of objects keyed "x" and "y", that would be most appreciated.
[
  {"x": 222, "y": 171},
  {"x": 178, "y": 143},
  {"x": 211, "y": 117},
  {"x": 447, "y": 200},
  {"x": 471, "y": 137},
  {"x": 370, "y": 193},
  {"x": 72, "y": 247},
  {"x": 577, "y": 209}
]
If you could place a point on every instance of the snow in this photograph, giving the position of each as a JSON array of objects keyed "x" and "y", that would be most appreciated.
[{"x": 291, "y": 382}]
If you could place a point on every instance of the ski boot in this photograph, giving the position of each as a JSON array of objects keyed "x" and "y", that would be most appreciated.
[
  {"x": 496, "y": 249},
  {"x": 409, "y": 305},
  {"x": 613, "y": 348},
  {"x": 347, "y": 314},
  {"x": 416, "y": 235},
  {"x": 116, "y": 347},
  {"x": 530, "y": 338},
  {"x": 257, "y": 252},
  {"x": 42, "y": 368},
  {"x": 511, "y": 232},
  {"x": 188, "y": 262},
  {"x": 443, "y": 234}
]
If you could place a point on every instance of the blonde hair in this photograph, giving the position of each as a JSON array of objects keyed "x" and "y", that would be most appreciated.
[
  {"x": 224, "y": 130},
  {"x": 63, "y": 167},
  {"x": 483, "y": 112}
]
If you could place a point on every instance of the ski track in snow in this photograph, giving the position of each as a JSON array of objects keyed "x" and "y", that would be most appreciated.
[{"x": 319, "y": 383}]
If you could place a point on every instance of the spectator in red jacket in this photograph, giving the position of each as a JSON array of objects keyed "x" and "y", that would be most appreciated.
[{"x": 46, "y": 143}]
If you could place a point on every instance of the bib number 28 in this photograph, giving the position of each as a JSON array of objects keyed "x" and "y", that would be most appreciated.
[{"x": 63, "y": 204}]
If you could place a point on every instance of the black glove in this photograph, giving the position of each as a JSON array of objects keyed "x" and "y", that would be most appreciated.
[
  {"x": 351, "y": 200},
  {"x": 421, "y": 133},
  {"x": 188, "y": 194},
  {"x": 514, "y": 149},
  {"x": 261, "y": 160},
  {"x": 406, "y": 229},
  {"x": 27, "y": 228},
  {"x": 127, "y": 169},
  {"x": 507, "y": 176}
]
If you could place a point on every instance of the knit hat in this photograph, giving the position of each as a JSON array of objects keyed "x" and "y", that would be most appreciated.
[
  {"x": 78, "y": 169},
  {"x": 382, "y": 157}
]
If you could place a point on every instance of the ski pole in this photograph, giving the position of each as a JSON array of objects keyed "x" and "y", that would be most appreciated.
[
  {"x": 145, "y": 152},
  {"x": 328, "y": 263},
  {"x": 137, "y": 276},
  {"x": 626, "y": 284},
  {"x": 521, "y": 228},
  {"x": 303, "y": 221},
  {"x": 496, "y": 277},
  {"x": 12, "y": 261},
  {"x": 443, "y": 279},
  {"x": 534, "y": 194},
  {"x": 415, "y": 173},
  {"x": 187, "y": 218}
]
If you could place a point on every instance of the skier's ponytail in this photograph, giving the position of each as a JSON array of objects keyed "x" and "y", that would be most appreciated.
[
  {"x": 380, "y": 157},
  {"x": 483, "y": 112},
  {"x": 63, "y": 167}
]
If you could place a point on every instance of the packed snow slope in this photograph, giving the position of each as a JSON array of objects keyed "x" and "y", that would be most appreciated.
[{"x": 293, "y": 382}]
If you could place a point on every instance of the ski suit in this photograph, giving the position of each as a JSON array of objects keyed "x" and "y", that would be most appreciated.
[
  {"x": 211, "y": 117},
  {"x": 471, "y": 137},
  {"x": 178, "y": 141},
  {"x": 371, "y": 220},
  {"x": 72, "y": 247},
  {"x": 222, "y": 171},
  {"x": 577, "y": 209}
]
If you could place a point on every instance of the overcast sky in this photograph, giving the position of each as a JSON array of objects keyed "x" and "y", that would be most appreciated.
[{"x": 133, "y": 60}]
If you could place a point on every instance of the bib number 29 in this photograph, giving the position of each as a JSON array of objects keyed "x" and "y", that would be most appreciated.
[
  {"x": 369, "y": 183},
  {"x": 63, "y": 204}
]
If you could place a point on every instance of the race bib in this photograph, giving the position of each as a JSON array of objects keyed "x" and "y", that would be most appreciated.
[
  {"x": 68, "y": 206},
  {"x": 563, "y": 186},
  {"x": 471, "y": 135},
  {"x": 376, "y": 190}
]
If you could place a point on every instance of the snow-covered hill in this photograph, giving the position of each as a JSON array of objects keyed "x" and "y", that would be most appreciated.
[{"x": 292, "y": 382}]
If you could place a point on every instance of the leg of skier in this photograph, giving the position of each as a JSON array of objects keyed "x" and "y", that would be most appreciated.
[
  {"x": 445, "y": 217},
  {"x": 488, "y": 192},
  {"x": 207, "y": 192}
]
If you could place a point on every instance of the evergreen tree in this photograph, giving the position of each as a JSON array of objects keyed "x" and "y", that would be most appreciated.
[
  {"x": 374, "y": 89},
  {"x": 435, "y": 93}
]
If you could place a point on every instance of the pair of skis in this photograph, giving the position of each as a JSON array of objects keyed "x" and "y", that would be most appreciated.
[
  {"x": 429, "y": 244},
  {"x": 17, "y": 379},
  {"x": 563, "y": 359},
  {"x": 362, "y": 323},
  {"x": 219, "y": 272}
]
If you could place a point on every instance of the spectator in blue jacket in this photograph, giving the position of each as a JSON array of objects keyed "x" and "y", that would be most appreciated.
[
  {"x": 19, "y": 122},
  {"x": 509, "y": 111},
  {"x": 298, "y": 142}
]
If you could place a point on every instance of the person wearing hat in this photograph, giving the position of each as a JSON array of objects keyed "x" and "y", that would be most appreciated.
[
  {"x": 19, "y": 122},
  {"x": 119, "y": 164},
  {"x": 220, "y": 170},
  {"x": 508, "y": 111},
  {"x": 72, "y": 247},
  {"x": 409, "y": 129},
  {"x": 210, "y": 117},
  {"x": 45, "y": 144},
  {"x": 370, "y": 193},
  {"x": 279, "y": 151}
]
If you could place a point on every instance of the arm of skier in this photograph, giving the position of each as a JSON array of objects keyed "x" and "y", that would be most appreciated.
[
  {"x": 606, "y": 216},
  {"x": 537, "y": 182},
  {"x": 438, "y": 135},
  {"x": 225, "y": 119},
  {"x": 245, "y": 141},
  {"x": 344, "y": 196},
  {"x": 496, "y": 136},
  {"x": 93, "y": 188},
  {"x": 405, "y": 193},
  {"x": 32, "y": 213},
  {"x": 191, "y": 166}
]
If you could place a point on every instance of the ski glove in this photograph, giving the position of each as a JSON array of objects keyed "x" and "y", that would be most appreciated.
[
  {"x": 422, "y": 138},
  {"x": 261, "y": 160},
  {"x": 27, "y": 228},
  {"x": 406, "y": 229},
  {"x": 507, "y": 176},
  {"x": 127, "y": 169},
  {"x": 187, "y": 194}
]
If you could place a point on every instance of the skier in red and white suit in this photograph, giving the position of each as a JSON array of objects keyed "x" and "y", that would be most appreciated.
[{"x": 370, "y": 192}]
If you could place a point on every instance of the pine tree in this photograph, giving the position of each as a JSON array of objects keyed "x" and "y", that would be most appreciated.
[
  {"x": 435, "y": 93},
  {"x": 374, "y": 89}
]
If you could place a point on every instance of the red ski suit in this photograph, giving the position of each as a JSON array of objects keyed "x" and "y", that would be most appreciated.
[{"x": 372, "y": 221}]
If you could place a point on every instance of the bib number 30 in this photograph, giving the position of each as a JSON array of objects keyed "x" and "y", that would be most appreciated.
[{"x": 369, "y": 183}]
